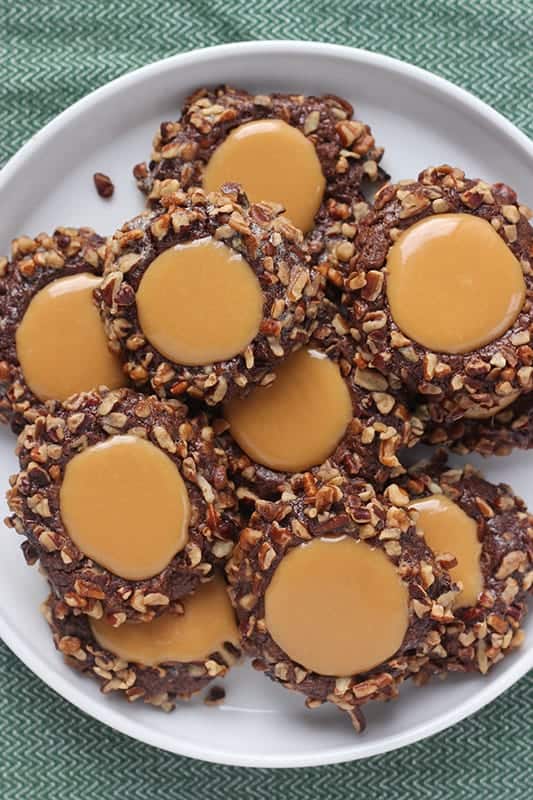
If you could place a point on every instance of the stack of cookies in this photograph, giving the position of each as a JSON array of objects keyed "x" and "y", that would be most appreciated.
[{"x": 213, "y": 407}]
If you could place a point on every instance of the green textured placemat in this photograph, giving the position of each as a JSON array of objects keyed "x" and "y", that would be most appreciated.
[{"x": 51, "y": 54}]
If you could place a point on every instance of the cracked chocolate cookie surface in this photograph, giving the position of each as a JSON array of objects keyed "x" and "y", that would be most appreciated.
[
  {"x": 271, "y": 247},
  {"x": 499, "y": 435},
  {"x": 45, "y": 450},
  {"x": 381, "y": 425},
  {"x": 345, "y": 147},
  {"x": 491, "y": 628},
  {"x": 311, "y": 509},
  {"x": 455, "y": 383},
  {"x": 160, "y": 684},
  {"x": 34, "y": 264}
]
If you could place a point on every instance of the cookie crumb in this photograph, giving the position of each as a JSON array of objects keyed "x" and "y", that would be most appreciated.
[
  {"x": 104, "y": 185},
  {"x": 215, "y": 696}
]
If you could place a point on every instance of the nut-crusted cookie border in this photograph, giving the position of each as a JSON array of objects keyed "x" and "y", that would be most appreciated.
[
  {"x": 309, "y": 509},
  {"x": 382, "y": 422},
  {"x": 459, "y": 381},
  {"x": 33, "y": 265},
  {"x": 159, "y": 686},
  {"x": 511, "y": 428},
  {"x": 345, "y": 147},
  {"x": 332, "y": 244},
  {"x": 272, "y": 248},
  {"x": 45, "y": 448},
  {"x": 482, "y": 634}
]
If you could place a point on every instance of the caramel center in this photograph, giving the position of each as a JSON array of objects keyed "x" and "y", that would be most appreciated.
[
  {"x": 205, "y": 627},
  {"x": 125, "y": 505},
  {"x": 272, "y": 161},
  {"x": 337, "y": 606},
  {"x": 61, "y": 343},
  {"x": 297, "y": 421},
  {"x": 447, "y": 529},
  {"x": 199, "y": 303},
  {"x": 453, "y": 285}
]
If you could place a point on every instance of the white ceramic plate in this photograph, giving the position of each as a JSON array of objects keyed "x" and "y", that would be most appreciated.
[{"x": 421, "y": 120}]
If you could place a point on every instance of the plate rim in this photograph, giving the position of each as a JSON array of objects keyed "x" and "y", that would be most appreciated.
[{"x": 52, "y": 677}]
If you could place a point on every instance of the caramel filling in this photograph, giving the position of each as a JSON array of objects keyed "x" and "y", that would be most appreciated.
[
  {"x": 272, "y": 161},
  {"x": 447, "y": 529},
  {"x": 337, "y": 606},
  {"x": 453, "y": 285},
  {"x": 125, "y": 505},
  {"x": 205, "y": 627},
  {"x": 199, "y": 303},
  {"x": 297, "y": 421},
  {"x": 61, "y": 343},
  {"x": 480, "y": 412}
]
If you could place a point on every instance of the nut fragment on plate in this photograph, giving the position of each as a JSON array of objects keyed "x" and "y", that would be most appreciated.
[
  {"x": 483, "y": 533},
  {"x": 125, "y": 501},
  {"x": 222, "y": 124},
  {"x": 322, "y": 412},
  {"x": 52, "y": 342},
  {"x": 473, "y": 357},
  {"x": 170, "y": 658},
  {"x": 173, "y": 281},
  {"x": 313, "y": 628},
  {"x": 103, "y": 184}
]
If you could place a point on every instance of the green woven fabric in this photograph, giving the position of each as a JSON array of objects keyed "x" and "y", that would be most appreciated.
[{"x": 51, "y": 54}]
